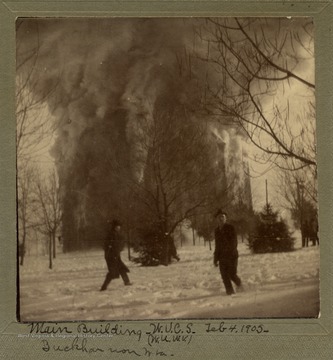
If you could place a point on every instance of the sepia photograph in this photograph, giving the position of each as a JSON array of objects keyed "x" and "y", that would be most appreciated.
[{"x": 166, "y": 168}]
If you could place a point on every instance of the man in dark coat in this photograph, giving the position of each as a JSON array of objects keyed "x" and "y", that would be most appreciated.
[
  {"x": 112, "y": 249},
  {"x": 313, "y": 232},
  {"x": 226, "y": 254},
  {"x": 305, "y": 233},
  {"x": 172, "y": 251}
]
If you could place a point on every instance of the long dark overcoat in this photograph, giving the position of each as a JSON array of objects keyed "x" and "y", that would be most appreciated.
[
  {"x": 112, "y": 249},
  {"x": 225, "y": 244}
]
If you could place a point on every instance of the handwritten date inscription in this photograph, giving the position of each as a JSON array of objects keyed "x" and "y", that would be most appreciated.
[{"x": 224, "y": 328}]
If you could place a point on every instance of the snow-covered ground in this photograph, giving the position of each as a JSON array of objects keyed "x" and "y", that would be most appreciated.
[{"x": 276, "y": 286}]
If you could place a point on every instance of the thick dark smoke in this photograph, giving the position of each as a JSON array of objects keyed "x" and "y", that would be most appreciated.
[{"x": 99, "y": 76}]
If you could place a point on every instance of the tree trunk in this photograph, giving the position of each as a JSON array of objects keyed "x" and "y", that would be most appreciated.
[
  {"x": 166, "y": 253},
  {"x": 181, "y": 234},
  {"x": 54, "y": 245},
  {"x": 50, "y": 251},
  {"x": 129, "y": 244}
]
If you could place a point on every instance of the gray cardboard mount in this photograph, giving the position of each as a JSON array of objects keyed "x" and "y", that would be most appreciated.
[{"x": 286, "y": 339}]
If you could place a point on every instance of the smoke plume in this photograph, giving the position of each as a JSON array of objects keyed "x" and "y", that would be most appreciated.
[{"x": 99, "y": 76}]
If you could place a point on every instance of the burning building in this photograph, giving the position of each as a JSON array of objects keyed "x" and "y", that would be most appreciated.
[{"x": 105, "y": 82}]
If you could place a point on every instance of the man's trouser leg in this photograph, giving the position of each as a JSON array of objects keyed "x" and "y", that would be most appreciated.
[
  {"x": 233, "y": 272},
  {"x": 107, "y": 281},
  {"x": 226, "y": 278},
  {"x": 125, "y": 277}
]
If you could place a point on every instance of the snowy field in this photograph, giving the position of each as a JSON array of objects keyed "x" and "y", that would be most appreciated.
[{"x": 276, "y": 286}]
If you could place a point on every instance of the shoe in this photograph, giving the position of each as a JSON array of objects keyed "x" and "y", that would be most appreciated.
[
  {"x": 128, "y": 284},
  {"x": 102, "y": 289},
  {"x": 234, "y": 295}
]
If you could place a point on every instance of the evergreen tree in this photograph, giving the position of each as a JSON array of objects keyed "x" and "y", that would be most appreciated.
[
  {"x": 270, "y": 234},
  {"x": 150, "y": 247}
]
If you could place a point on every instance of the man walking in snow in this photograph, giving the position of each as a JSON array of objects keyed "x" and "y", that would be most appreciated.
[
  {"x": 112, "y": 249},
  {"x": 226, "y": 254}
]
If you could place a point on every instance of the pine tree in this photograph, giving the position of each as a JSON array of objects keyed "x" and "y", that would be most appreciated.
[
  {"x": 150, "y": 247},
  {"x": 270, "y": 234}
]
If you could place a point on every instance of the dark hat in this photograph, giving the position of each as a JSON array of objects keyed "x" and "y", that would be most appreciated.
[{"x": 220, "y": 212}]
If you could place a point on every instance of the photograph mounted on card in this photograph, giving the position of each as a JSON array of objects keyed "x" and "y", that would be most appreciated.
[
  {"x": 166, "y": 179},
  {"x": 166, "y": 168}
]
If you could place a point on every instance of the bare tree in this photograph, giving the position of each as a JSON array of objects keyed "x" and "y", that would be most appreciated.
[
  {"x": 49, "y": 210},
  {"x": 252, "y": 67},
  {"x": 174, "y": 171},
  {"x": 34, "y": 127},
  {"x": 25, "y": 185},
  {"x": 298, "y": 189},
  {"x": 298, "y": 194},
  {"x": 177, "y": 172}
]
